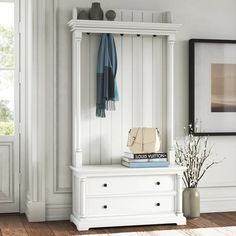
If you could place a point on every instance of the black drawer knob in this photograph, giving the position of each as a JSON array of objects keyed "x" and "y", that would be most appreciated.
[
  {"x": 158, "y": 183},
  {"x": 158, "y": 204},
  {"x": 105, "y": 185},
  {"x": 105, "y": 206}
]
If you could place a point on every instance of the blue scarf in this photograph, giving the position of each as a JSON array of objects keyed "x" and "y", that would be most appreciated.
[{"x": 107, "y": 91}]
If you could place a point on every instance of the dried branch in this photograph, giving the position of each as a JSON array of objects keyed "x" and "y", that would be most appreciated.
[
  {"x": 208, "y": 166},
  {"x": 193, "y": 154}
]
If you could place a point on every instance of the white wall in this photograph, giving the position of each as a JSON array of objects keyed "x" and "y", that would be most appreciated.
[{"x": 200, "y": 19}]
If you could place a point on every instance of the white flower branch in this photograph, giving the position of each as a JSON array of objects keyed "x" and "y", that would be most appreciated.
[{"x": 193, "y": 154}]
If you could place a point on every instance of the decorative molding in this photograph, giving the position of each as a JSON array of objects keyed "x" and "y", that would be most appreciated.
[
  {"x": 55, "y": 167},
  {"x": 83, "y": 197},
  {"x": 10, "y": 197},
  {"x": 179, "y": 189},
  {"x": 22, "y": 111},
  {"x": 171, "y": 38},
  {"x": 219, "y": 199},
  {"x": 121, "y": 27},
  {"x": 58, "y": 211},
  {"x": 225, "y": 185},
  {"x": 56, "y": 187},
  {"x": 218, "y": 204},
  {"x": 170, "y": 98},
  {"x": 35, "y": 203},
  {"x": 35, "y": 211},
  {"x": 76, "y": 99}
]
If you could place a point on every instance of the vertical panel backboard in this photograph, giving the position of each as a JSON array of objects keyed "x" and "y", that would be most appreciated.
[{"x": 139, "y": 79}]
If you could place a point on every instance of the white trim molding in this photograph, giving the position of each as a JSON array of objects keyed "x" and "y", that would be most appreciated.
[
  {"x": 22, "y": 95},
  {"x": 58, "y": 211},
  {"x": 35, "y": 211},
  {"x": 170, "y": 97},
  {"x": 122, "y": 27},
  {"x": 35, "y": 203},
  {"x": 57, "y": 189},
  {"x": 220, "y": 204},
  {"x": 9, "y": 196}
]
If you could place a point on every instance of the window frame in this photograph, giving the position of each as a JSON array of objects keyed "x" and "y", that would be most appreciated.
[{"x": 16, "y": 68}]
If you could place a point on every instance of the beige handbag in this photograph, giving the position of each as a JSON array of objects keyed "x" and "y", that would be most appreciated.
[{"x": 144, "y": 140}]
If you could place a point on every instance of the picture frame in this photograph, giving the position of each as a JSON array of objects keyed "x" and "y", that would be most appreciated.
[{"x": 212, "y": 86}]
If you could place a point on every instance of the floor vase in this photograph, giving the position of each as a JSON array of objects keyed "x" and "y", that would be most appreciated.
[{"x": 191, "y": 203}]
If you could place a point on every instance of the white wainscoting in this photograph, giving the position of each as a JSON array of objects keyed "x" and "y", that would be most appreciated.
[
  {"x": 9, "y": 175},
  {"x": 6, "y": 170}
]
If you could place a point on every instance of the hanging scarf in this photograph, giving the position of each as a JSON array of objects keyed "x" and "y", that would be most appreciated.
[{"x": 107, "y": 91}]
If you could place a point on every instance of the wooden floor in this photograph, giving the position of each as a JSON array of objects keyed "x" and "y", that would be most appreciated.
[{"x": 17, "y": 225}]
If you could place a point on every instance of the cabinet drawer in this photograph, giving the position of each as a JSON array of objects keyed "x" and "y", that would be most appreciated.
[
  {"x": 130, "y": 205},
  {"x": 129, "y": 185}
]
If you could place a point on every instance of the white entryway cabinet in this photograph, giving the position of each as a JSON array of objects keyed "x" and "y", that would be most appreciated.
[{"x": 113, "y": 195}]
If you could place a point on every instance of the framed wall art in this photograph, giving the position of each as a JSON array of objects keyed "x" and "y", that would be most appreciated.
[{"x": 212, "y": 86}]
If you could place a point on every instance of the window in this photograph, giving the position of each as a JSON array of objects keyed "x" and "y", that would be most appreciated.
[{"x": 7, "y": 68}]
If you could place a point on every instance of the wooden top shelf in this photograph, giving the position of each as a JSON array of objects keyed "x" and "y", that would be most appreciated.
[{"x": 123, "y": 27}]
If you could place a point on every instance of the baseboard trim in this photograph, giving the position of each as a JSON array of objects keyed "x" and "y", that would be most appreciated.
[
  {"x": 58, "y": 212},
  {"x": 218, "y": 204},
  {"x": 35, "y": 211}
]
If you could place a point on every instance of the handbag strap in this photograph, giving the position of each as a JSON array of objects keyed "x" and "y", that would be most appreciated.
[{"x": 133, "y": 138}]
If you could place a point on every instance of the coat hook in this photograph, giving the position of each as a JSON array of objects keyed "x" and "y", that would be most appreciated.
[
  {"x": 121, "y": 34},
  {"x": 154, "y": 36},
  {"x": 88, "y": 33},
  {"x": 138, "y": 35}
]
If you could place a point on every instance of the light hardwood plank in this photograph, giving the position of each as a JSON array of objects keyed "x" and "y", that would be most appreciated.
[
  {"x": 230, "y": 215},
  {"x": 36, "y": 229},
  {"x": 219, "y": 219},
  {"x": 17, "y": 225},
  {"x": 62, "y": 228},
  {"x": 11, "y": 225},
  {"x": 202, "y": 223}
]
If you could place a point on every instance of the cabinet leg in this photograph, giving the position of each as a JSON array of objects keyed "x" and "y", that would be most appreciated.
[
  {"x": 82, "y": 228},
  {"x": 181, "y": 221}
]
